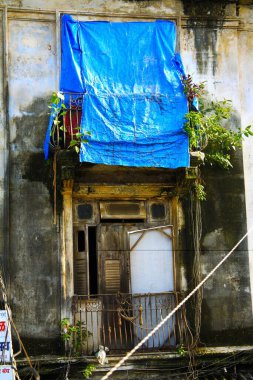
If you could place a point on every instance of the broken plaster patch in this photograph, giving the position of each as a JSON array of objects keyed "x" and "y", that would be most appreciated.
[{"x": 214, "y": 240}]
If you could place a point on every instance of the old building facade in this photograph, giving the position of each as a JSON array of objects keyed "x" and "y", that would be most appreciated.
[{"x": 51, "y": 269}]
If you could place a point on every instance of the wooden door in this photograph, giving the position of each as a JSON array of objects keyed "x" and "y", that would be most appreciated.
[
  {"x": 113, "y": 280},
  {"x": 113, "y": 259}
]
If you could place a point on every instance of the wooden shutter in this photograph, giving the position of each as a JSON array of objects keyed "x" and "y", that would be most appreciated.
[
  {"x": 80, "y": 263},
  {"x": 112, "y": 276},
  {"x": 113, "y": 259}
]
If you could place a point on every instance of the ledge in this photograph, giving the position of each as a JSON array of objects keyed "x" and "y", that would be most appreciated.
[{"x": 203, "y": 351}]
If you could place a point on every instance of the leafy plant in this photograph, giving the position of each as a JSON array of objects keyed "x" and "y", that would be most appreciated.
[
  {"x": 206, "y": 130},
  {"x": 59, "y": 110},
  {"x": 181, "y": 350},
  {"x": 192, "y": 90},
  {"x": 87, "y": 372},
  {"x": 76, "y": 335},
  {"x": 67, "y": 330},
  {"x": 79, "y": 138},
  {"x": 200, "y": 191}
]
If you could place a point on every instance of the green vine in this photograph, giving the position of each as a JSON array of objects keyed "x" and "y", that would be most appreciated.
[
  {"x": 87, "y": 372},
  {"x": 59, "y": 110},
  {"x": 75, "y": 335},
  {"x": 181, "y": 350},
  {"x": 200, "y": 192}
]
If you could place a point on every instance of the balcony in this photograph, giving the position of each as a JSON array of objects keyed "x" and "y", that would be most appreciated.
[
  {"x": 117, "y": 137},
  {"x": 120, "y": 321},
  {"x": 67, "y": 119}
]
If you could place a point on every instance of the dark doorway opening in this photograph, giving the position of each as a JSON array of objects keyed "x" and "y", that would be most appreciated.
[{"x": 93, "y": 266}]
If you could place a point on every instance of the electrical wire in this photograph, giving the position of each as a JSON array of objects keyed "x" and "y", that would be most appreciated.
[
  {"x": 145, "y": 339},
  {"x": 7, "y": 307}
]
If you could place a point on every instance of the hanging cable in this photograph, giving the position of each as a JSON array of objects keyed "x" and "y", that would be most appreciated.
[
  {"x": 144, "y": 340},
  {"x": 4, "y": 295}
]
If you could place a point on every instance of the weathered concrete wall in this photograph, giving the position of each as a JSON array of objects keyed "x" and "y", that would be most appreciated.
[
  {"x": 3, "y": 145},
  {"x": 34, "y": 262},
  {"x": 245, "y": 56},
  {"x": 210, "y": 53}
]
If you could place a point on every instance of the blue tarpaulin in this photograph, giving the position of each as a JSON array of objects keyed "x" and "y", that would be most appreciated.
[{"x": 134, "y": 104}]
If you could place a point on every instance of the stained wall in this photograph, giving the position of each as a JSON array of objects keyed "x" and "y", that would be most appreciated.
[{"x": 215, "y": 43}]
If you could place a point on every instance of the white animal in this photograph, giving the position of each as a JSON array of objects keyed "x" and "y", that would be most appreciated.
[{"x": 101, "y": 355}]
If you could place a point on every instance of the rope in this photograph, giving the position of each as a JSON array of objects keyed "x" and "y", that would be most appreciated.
[
  {"x": 55, "y": 186},
  {"x": 196, "y": 223},
  {"x": 197, "y": 233},
  {"x": 127, "y": 318},
  {"x": 23, "y": 347},
  {"x": 4, "y": 295},
  {"x": 144, "y": 340}
]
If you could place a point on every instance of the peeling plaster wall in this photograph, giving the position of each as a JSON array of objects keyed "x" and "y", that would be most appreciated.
[
  {"x": 246, "y": 94},
  {"x": 3, "y": 148},
  {"x": 34, "y": 264},
  {"x": 210, "y": 52},
  {"x": 130, "y": 6}
]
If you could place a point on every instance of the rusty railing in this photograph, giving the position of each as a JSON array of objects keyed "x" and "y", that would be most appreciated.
[
  {"x": 68, "y": 121},
  {"x": 120, "y": 321}
]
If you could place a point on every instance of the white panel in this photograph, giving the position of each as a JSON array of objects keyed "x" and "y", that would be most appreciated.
[
  {"x": 6, "y": 372},
  {"x": 5, "y": 338},
  {"x": 151, "y": 261},
  {"x": 134, "y": 238}
]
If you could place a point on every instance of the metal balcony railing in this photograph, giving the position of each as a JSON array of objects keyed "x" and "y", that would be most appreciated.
[
  {"x": 120, "y": 321},
  {"x": 68, "y": 120}
]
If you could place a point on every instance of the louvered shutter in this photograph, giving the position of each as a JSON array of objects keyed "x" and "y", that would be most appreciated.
[
  {"x": 113, "y": 258},
  {"x": 112, "y": 276},
  {"x": 80, "y": 264}
]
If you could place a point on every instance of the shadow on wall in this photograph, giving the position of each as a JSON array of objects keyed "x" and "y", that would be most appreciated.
[
  {"x": 31, "y": 126},
  {"x": 27, "y": 157}
]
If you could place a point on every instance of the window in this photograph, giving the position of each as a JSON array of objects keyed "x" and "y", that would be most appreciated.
[
  {"x": 85, "y": 261},
  {"x": 158, "y": 211},
  {"x": 122, "y": 210}
]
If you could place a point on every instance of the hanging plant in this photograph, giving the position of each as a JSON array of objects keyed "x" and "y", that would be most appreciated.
[
  {"x": 205, "y": 126},
  {"x": 61, "y": 137}
]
